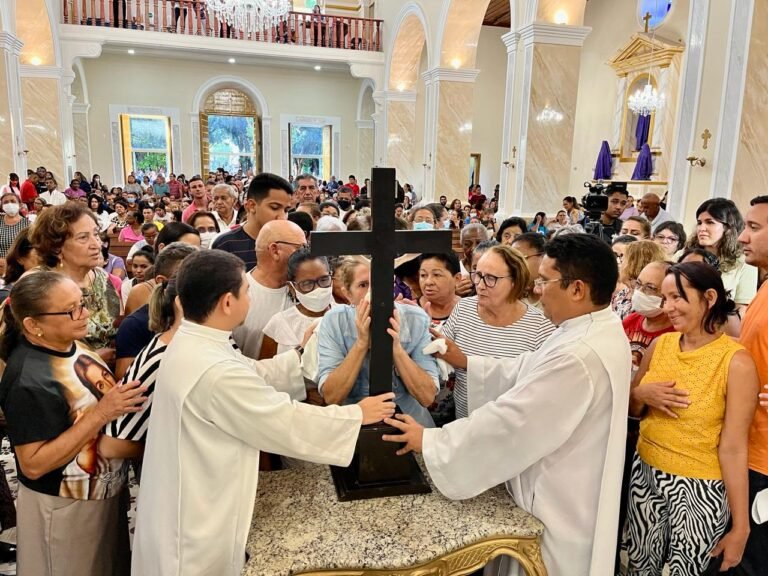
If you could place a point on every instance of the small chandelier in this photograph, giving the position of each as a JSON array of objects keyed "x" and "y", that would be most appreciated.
[
  {"x": 646, "y": 101},
  {"x": 250, "y": 16}
]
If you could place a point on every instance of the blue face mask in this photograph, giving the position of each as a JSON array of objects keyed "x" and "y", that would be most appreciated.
[
  {"x": 423, "y": 226},
  {"x": 447, "y": 224},
  {"x": 131, "y": 200}
]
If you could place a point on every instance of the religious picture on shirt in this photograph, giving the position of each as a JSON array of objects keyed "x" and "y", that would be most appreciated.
[
  {"x": 84, "y": 379},
  {"x": 639, "y": 339}
]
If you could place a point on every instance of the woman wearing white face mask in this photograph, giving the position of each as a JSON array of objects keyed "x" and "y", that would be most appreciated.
[
  {"x": 11, "y": 224},
  {"x": 311, "y": 285},
  {"x": 206, "y": 224}
]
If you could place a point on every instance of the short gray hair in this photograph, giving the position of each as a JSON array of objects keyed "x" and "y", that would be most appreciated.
[
  {"x": 304, "y": 176},
  {"x": 330, "y": 224},
  {"x": 230, "y": 189},
  {"x": 476, "y": 226}
]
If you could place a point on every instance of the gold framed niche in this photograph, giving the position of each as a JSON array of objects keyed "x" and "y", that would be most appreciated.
[
  {"x": 627, "y": 152},
  {"x": 229, "y": 102}
]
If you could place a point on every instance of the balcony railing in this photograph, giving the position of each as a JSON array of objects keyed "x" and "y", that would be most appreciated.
[{"x": 192, "y": 18}]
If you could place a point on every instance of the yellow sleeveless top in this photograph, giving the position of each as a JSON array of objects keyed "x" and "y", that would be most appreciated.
[{"x": 687, "y": 446}]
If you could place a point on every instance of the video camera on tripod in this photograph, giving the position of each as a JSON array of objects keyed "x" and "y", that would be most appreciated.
[{"x": 596, "y": 202}]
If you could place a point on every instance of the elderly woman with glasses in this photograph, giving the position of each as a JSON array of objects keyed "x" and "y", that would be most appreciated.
[
  {"x": 496, "y": 322},
  {"x": 57, "y": 395},
  {"x": 66, "y": 238},
  {"x": 343, "y": 344}
]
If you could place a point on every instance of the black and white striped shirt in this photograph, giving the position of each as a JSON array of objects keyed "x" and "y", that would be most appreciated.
[
  {"x": 133, "y": 426},
  {"x": 476, "y": 338}
]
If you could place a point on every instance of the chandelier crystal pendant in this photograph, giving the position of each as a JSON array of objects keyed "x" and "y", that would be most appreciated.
[
  {"x": 250, "y": 16},
  {"x": 647, "y": 101}
]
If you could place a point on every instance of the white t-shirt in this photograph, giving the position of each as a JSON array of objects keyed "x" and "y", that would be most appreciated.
[
  {"x": 53, "y": 197},
  {"x": 287, "y": 328},
  {"x": 265, "y": 303},
  {"x": 741, "y": 281}
]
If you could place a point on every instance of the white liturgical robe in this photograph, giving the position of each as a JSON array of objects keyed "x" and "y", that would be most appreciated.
[
  {"x": 213, "y": 411},
  {"x": 552, "y": 425}
]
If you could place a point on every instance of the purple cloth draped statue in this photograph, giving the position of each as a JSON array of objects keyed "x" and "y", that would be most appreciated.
[
  {"x": 604, "y": 166},
  {"x": 644, "y": 166},
  {"x": 641, "y": 132}
]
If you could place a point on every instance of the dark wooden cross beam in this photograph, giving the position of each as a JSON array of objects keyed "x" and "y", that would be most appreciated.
[{"x": 382, "y": 244}]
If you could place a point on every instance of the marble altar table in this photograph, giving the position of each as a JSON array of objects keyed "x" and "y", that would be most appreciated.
[{"x": 299, "y": 527}]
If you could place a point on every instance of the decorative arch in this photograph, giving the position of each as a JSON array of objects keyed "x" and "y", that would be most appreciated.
[
  {"x": 366, "y": 86},
  {"x": 459, "y": 31},
  {"x": 198, "y": 106},
  {"x": 409, "y": 40},
  {"x": 218, "y": 82}
]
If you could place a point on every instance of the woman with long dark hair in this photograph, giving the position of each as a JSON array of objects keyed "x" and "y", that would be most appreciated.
[{"x": 695, "y": 393}]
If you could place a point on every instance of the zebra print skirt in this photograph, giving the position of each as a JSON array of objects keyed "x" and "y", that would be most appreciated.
[{"x": 673, "y": 520}]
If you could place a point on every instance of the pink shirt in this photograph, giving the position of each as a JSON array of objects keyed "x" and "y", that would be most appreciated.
[
  {"x": 188, "y": 211},
  {"x": 128, "y": 235}
]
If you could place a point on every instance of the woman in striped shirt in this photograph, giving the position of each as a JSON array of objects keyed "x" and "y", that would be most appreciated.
[{"x": 495, "y": 322}]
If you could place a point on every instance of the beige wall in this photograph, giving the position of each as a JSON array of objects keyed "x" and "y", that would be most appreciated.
[
  {"x": 488, "y": 106},
  {"x": 42, "y": 125},
  {"x": 612, "y": 23},
  {"x": 138, "y": 81}
]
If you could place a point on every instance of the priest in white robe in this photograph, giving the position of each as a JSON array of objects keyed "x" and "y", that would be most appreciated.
[
  {"x": 551, "y": 424},
  {"x": 213, "y": 411}
]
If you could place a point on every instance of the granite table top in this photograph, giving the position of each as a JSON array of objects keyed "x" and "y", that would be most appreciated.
[{"x": 299, "y": 525}]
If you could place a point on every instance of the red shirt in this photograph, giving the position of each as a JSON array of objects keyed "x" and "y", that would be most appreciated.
[
  {"x": 28, "y": 191},
  {"x": 639, "y": 337},
  {"x": 355, "y": 189},
  {"x": 174, "y": 189}
]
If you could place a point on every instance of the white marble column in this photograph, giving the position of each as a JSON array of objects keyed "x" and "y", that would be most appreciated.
[
  {"x": 365, "y": 145},
  {"x": 552, "y": 58},
  {"x": 448, "y": 125},
  {"x": 401, "y": 142},
  {"x": 12, "y": 151},
  {"x": 379, "y": 118},
  {"x": 266, "y": 143},
  {"x": 82, "y": 138},
  {"x": 509, "y": 150},
  {"x": 688, "y": 108},
  {"x": 67, "y": 100}
]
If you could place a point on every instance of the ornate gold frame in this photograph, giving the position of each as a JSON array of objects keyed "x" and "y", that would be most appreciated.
[
  {"x": 527, "y": 551},
  {"x": 233, "y": 103},
  {"x": 624, "y": 116}
]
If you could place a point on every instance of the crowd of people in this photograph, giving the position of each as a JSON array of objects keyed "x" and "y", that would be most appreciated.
[{"x": 77, "y": 319}]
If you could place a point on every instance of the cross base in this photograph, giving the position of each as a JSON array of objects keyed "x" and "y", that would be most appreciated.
[{"x": 376, "y": 471}]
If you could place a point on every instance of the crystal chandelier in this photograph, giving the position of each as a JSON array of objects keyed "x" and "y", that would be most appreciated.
[
  {"x": 250, "y": 16},
  {"x": 646, "y": 101}
]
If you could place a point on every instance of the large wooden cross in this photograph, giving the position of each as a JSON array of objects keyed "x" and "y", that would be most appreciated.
[{"x": 382, "y": 243}]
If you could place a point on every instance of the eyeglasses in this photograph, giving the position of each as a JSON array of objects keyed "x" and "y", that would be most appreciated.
[
  {"x": 306, "y": 286},
  {"x": 648, "y": 289},
  {"x": 294, "y": 244},
  {"x": 75, "y": 314},
  {"x": 539, "y": 282},
  {"x": 532, "y": 255},
  {"x": 489, "y": 279},
  {"x": 666, "y": 239}
]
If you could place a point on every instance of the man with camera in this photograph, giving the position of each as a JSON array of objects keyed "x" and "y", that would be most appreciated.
[{"x": 610, "y": 206}]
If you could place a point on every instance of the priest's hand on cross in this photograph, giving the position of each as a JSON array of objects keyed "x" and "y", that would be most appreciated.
[{"x": 412, "y": 433}]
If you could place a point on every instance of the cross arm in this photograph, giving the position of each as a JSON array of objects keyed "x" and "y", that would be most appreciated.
[{"x": 423, "y": 242}]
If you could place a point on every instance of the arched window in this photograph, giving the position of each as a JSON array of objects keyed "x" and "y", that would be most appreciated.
[
  {"x": 658, "y": 10},
  {"x": 230, "y": 132}
]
